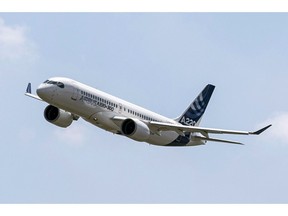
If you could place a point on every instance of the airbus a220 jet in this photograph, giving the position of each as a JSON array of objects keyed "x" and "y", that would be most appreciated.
[{"x": 69, "y": 100}]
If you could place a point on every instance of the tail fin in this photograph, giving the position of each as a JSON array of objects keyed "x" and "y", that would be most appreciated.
[{"x": 193, "y": 114}]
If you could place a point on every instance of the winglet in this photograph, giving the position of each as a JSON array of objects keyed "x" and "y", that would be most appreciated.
[
  {"x": 28, "y": 89},
  {"x": 29, "y": 93},
  {"x": 260, "y": 131}
]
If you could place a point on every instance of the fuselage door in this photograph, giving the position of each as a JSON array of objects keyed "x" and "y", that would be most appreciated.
[
  {"x": 120, "y": 108},
  {"x": 75, "y": 91}
]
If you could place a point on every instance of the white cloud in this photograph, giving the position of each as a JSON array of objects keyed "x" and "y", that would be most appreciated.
[
  {"x": 279, "y": 129},
  {"x": 14, "y": 44}
]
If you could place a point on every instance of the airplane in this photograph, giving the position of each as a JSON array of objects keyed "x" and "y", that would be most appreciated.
[{"x": 68, "y": 100}]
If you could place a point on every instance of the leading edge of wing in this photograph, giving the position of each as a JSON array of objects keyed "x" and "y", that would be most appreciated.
[{"x": 160, "y": 126}]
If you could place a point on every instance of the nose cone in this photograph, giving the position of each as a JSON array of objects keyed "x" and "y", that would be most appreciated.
[{"x": 44, "y": 92}]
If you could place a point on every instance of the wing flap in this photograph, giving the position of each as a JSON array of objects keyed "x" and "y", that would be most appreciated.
[{"x": 218, "y": 140}]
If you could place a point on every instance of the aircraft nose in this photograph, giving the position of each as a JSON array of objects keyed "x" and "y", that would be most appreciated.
[{"x": 43, "y": 91}]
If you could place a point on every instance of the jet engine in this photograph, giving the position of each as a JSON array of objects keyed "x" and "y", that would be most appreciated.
[
  {"x": 57, "y": 116},
  {"x": 135, "y": 129}
]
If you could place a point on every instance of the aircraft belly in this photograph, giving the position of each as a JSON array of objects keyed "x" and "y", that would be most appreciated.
[
  {"x": 103, "y": 120},
  {"x": 165, "y": 138}
]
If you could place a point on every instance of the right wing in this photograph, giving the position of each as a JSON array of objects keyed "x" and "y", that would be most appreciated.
[
  {"x": 157, "y": 127},
  {"x": 160, "y": 126}
]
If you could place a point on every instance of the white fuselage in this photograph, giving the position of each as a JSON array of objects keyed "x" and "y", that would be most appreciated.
[{"x": 99, "y": 108}]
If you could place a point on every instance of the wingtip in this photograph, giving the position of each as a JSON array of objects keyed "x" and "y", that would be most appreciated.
[
  {"x": 28, "y": 89},
  {"x": 261, "y": 130}
]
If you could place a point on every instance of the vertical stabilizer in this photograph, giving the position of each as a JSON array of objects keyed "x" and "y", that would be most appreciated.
[{"x": 193, "y": 114}]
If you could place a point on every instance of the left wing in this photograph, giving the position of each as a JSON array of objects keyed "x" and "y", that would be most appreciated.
[{"x": 29, "y": 93}]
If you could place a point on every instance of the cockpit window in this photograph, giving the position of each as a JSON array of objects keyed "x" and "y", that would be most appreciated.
[{"x": 59, "y": 84}]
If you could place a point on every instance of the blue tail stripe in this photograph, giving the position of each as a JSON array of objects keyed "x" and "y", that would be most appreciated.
[{"x": 198, "y": 106}]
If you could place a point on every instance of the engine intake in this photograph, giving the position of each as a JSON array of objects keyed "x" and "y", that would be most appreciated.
[
  {"x": 57, "y": 116},
  {"x": 135, "y": 129}
]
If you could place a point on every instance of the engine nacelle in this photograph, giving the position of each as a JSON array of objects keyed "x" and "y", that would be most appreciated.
[
  {"x": 57, "y": 116},
  {"x": 135, "y": 129}
]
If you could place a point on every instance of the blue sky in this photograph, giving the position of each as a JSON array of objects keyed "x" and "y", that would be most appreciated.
[{"x": 160, "y": 61}]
